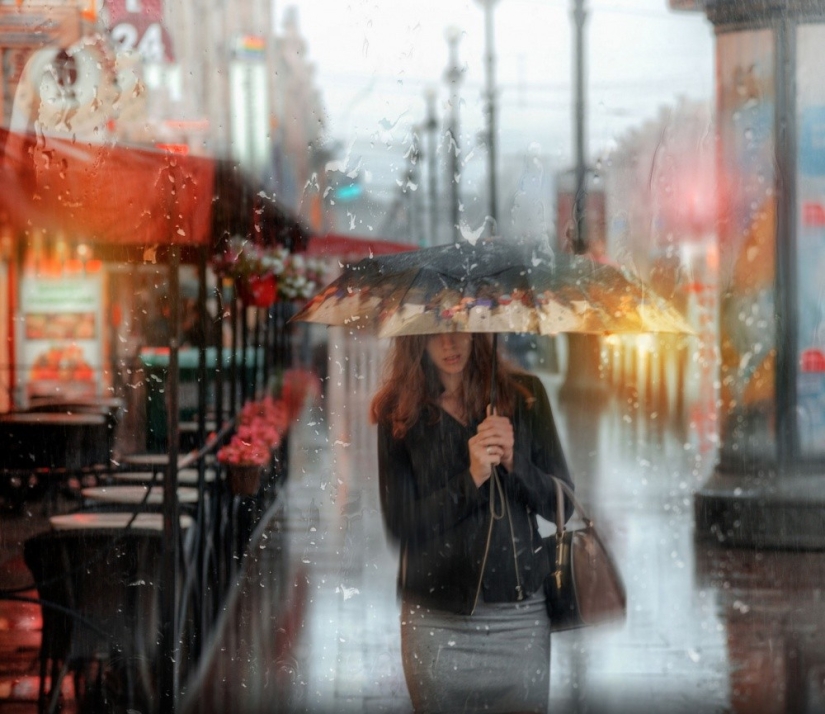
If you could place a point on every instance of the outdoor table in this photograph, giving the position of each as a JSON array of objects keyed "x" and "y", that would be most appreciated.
[
  {"x": 92, "y": 566},
  {"x": 111, "y": 408},
  {"x": 134, "y": 495},
  {"x": 157, "y": 461},
  {"x": 96, "y": 405},
  {"x": 209, "y": 509},
  {"x": 49, "y": 440},
  {"x": 113, "y": 521},
  {"x": 186, "y": 477}
]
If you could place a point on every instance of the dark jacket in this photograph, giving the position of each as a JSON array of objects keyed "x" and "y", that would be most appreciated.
[{"x": 434, "y": 510}]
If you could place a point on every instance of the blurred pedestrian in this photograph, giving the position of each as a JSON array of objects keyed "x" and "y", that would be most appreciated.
[
  {"x": 158, "y": 329},
  {"x": 461, "y": 486}
]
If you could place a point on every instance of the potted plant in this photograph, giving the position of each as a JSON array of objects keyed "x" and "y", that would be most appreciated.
[
  {"x": 300, "y": 277},
  {"x": 255, "y": 269},
  {"x": 267, "y": 421},
  {"x": 245, "y": 457}
]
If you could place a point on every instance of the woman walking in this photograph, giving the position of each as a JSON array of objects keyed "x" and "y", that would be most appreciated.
[{"x": 461, "y": 486}]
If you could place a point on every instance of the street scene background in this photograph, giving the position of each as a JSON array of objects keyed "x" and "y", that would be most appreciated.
[{"x": 179, "y": 178}]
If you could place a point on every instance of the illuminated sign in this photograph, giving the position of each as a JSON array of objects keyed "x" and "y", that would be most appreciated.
[
  {"x": 348, "y": 192},
  {"x": 250, "y": 47}
]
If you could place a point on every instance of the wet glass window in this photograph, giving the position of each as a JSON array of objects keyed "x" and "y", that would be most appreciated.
[{"x": 431, "y": 356}]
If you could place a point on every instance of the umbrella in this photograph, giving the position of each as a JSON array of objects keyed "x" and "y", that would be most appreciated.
[{"x": 492, "y": 286}]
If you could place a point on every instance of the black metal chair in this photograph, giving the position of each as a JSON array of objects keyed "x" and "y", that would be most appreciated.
[{"x": 100, "y": 603}]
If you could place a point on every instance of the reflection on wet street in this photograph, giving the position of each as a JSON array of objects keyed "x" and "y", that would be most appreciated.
[{"x": 314, "y": 625}]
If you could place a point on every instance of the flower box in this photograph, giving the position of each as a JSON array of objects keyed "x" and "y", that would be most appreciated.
[
  {"x": 244, "y": 479},
  {"x": 245, "y": 457},
  {"x": 265, "y": 274}
]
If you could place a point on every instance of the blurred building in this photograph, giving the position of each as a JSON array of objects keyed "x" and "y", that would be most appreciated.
[
  {"x": 238, "y": 88},
  {"x": 216, "y": 79}
]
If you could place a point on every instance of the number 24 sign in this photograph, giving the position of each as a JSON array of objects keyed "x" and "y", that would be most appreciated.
[{"x": 151, "y": 41}]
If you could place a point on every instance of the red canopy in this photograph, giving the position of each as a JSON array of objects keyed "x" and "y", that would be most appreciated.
[
  {"x": 350, "y": 247},
  {"x": 104, "y": 193}
]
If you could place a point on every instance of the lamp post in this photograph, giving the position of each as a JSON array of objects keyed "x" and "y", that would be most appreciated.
[
  {"x": 415, "y": 226},
  {"x": 453, "y": 76},
  {"x": 580, "y": 197},
  {"x": 431, "y": 125},
  {"x": 490, "y": 65},
  {"x": 583, "y": 380}
]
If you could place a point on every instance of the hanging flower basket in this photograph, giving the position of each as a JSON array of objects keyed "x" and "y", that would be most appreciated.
[
  {"x": 254, "y": 268},
  {"x": 258, "y": 291},
  {"x": 244, "y": 479}
]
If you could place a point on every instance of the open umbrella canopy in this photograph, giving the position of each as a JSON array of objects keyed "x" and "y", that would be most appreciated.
[{"x": 492, "y": 286}]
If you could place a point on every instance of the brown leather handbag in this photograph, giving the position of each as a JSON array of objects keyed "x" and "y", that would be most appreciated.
[{"x": 584, "y": 586}]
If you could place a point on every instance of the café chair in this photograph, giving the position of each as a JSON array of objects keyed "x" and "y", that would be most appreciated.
[{"x": 100, "y": 603}]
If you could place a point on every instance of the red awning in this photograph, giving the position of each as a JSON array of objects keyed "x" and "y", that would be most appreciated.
[
  {"x": 104, "y": 193},
  {"x": 349, "y": 247}
]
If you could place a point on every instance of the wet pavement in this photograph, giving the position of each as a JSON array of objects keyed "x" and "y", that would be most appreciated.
[
  {"x": 312, "y": 625},
  {"x": 321, "y": 582}
]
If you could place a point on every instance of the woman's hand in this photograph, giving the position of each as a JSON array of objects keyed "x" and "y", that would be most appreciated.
[
  {"x": 482, "y": 459},
  {"x": 492, "y": 445}
]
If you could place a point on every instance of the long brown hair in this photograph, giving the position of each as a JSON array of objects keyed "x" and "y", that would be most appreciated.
[{"x": 411, "y": 384}]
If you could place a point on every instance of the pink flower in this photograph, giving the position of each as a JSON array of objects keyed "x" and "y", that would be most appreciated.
[
  {"x": 261, "y": 430},
  {"x": 244, "y": 450},
  {"x": 261, "y": 426},
  {"x": 264, "y": 414}
]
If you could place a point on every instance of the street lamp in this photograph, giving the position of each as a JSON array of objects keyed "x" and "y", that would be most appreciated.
[
  {"x": 584, "y": 351},
  {"x": 453, "y": 76},
  {"x": 490, "y": 61},
  {"x": 431, "y": 124},
  {"x": 580, "y": 197}
]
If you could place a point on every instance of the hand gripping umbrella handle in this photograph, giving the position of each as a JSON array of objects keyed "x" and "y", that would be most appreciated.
[{"x": 493, "y": 391}]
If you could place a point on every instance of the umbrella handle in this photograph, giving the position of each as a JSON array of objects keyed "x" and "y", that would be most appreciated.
[{"x": 493, "y": 391}]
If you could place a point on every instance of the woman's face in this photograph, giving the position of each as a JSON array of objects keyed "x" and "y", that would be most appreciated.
[{"x": 449, "y": 353}]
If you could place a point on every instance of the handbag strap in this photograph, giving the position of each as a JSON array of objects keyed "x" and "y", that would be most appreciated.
[{"x": 562, "y": 490}]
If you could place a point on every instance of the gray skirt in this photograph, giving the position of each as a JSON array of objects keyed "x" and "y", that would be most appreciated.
[{"x": 495, "y": 660}]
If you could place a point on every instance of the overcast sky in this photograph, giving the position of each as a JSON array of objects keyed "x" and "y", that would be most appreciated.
[{"x": 376, "y": 58}]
